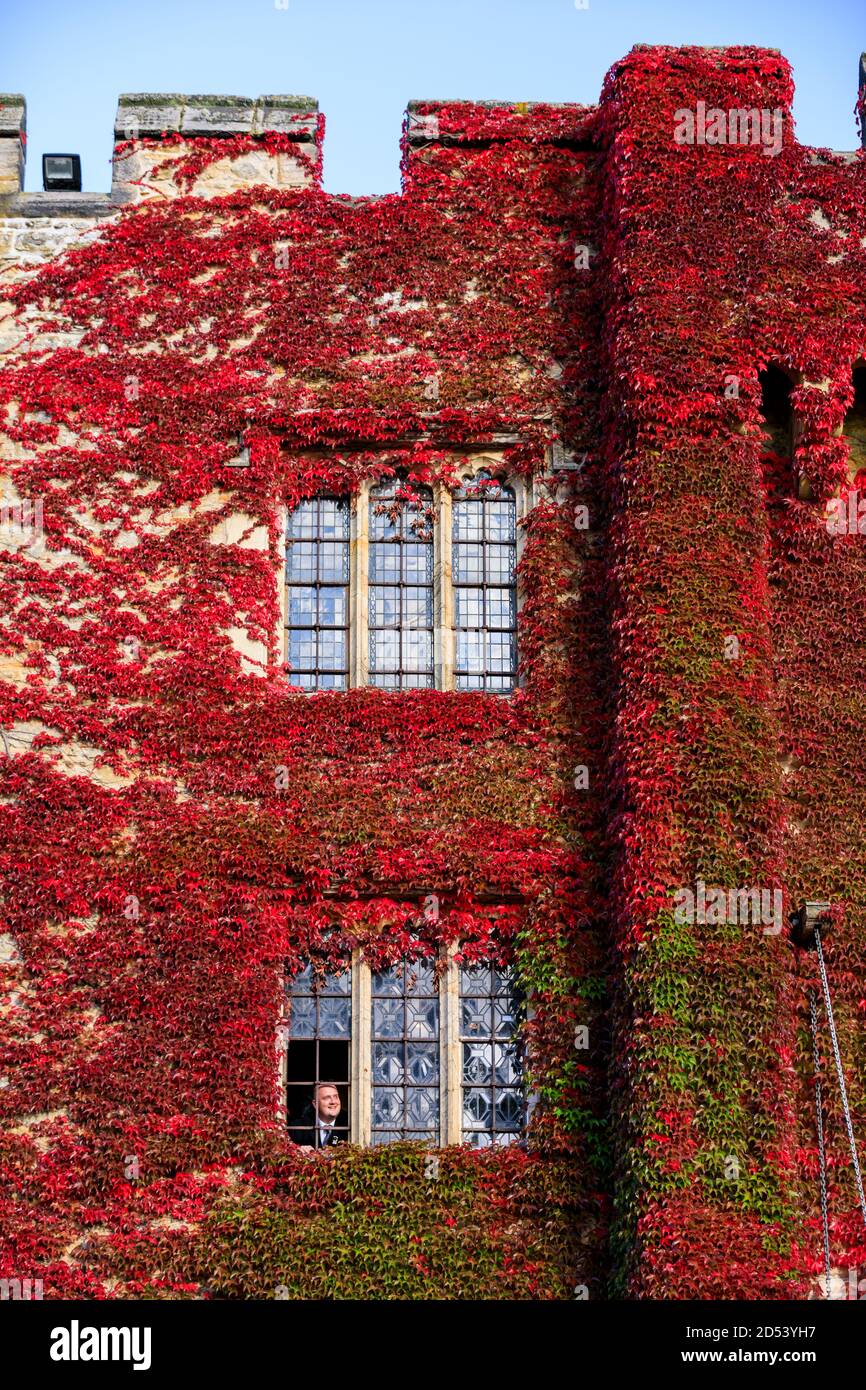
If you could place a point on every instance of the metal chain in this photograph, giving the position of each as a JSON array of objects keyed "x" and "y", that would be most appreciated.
[
  {"x": 840, "y": 1076},
  {"x": 819, "y": 1120}
]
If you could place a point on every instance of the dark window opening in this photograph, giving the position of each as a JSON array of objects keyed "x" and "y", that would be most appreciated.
[
  {"x": 854, "y": 430},
  {"x": 318, "y": 1051},
  {"x": 776, "y": 409},
  {"x": 779, "y": 436},
  {"x": 309, "y": 1063}
]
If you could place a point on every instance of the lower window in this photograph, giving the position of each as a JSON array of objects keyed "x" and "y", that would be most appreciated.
[
  {"x": 491, "y": 1065},
  {"x": 413, "y": 1052}
]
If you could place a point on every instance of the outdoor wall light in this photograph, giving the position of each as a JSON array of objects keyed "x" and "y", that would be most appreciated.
[{"x": 61, "y": 173}]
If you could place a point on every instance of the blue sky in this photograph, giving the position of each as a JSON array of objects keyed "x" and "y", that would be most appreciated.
[{"x": 364, "y": 59}]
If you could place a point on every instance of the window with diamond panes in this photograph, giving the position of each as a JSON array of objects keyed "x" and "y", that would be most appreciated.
[
  {"x": 319, "y": 1039},
  {"x": 493, "y": 1099},
  {"x": 405, "y": 1053},
  {"x": 317, "y": 594},
  {"x": 400, "y": 601},
  {"x": 483, "y": 560}
]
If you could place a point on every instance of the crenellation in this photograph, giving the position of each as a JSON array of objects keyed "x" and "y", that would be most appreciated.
[{"x": 143, "y": 166}]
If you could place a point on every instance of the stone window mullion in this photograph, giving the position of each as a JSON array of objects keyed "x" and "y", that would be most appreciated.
[
  {"x": 443, "y": 591},
  {"x": 360, "y": 1121},
  {"x": 451, "y": 1102}
]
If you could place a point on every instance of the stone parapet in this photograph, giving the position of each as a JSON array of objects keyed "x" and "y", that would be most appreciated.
[{"x": 154, "y": 135}]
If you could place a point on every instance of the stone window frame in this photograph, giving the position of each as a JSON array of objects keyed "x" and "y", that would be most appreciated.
[
  {"x": 444, "y": 635},
  {"x": 361, "y": 1054}
]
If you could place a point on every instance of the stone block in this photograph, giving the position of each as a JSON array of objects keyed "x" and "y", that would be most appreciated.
[
  {"x": 11, "y": 166},
  {"x": 146, "y": 116},
  {"x": 13, "y": 115},
  {"x": 217, "y": 116}
]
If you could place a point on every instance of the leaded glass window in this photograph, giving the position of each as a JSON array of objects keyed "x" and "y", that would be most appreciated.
[
  {"x": 318, "y": 1051},
  {"x": 405, "y": 1052},
  {"x": 493, "y": 1102},
  {"x": 317, "y": 584},
  {"x": 424, "y": 1050},
  {"x": 484, "y": 557},
  {"x": 400, "y": 617}
]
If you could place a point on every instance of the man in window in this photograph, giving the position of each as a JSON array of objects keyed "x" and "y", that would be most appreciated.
[{"x": 317, "y": 1125}]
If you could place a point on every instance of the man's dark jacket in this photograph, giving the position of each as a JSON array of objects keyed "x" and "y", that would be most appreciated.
[{"x": 306, "y": 1131}]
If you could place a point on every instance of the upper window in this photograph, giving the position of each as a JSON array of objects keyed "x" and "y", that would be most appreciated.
[
  {"x": 400, "y": 621},
  {"x": 317, "y": 594},
  {"x": 484, "y": 558},
  {"x": 411, "y": 588}
]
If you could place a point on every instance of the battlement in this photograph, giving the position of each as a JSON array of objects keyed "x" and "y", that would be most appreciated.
[
  {"x": 482, "y": 123},
  {"x": 275, "y": 140},
  {"x": 153, "y": 131}
]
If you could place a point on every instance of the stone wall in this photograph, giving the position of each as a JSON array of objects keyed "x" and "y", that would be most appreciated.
[{"x": 36, "y": 228}]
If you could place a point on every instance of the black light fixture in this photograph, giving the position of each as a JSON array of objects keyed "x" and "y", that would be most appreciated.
[
  {"x": 61, "y": 173},
  {"x": 805, "y": 920}
]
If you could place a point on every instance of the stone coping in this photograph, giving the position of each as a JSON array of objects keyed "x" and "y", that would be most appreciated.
[
  {"x": 61, "y": 204},
  {"x": 147, "y": 115}
]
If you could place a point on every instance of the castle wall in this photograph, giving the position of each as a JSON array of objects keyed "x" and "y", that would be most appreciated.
[
  {"x": 184, "y": 360},
  {"x": 144, "y": 684}
]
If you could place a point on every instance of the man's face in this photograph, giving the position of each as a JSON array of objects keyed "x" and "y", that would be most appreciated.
[{"x": 328, "y": 1103}]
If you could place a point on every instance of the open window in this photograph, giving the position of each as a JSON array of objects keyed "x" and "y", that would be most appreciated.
[
  {"x": 320, "y": 1026},
  {"x": 777, "y": 412},
  {"x": 780, "y": 432}
]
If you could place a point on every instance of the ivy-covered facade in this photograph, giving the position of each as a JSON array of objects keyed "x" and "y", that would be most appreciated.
[{"x": 589, "y": 303}]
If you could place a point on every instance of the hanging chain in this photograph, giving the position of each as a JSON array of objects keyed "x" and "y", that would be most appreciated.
[
  {"x": 840, "y": 1076},
  {"x": 819, "y": 1119}
]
